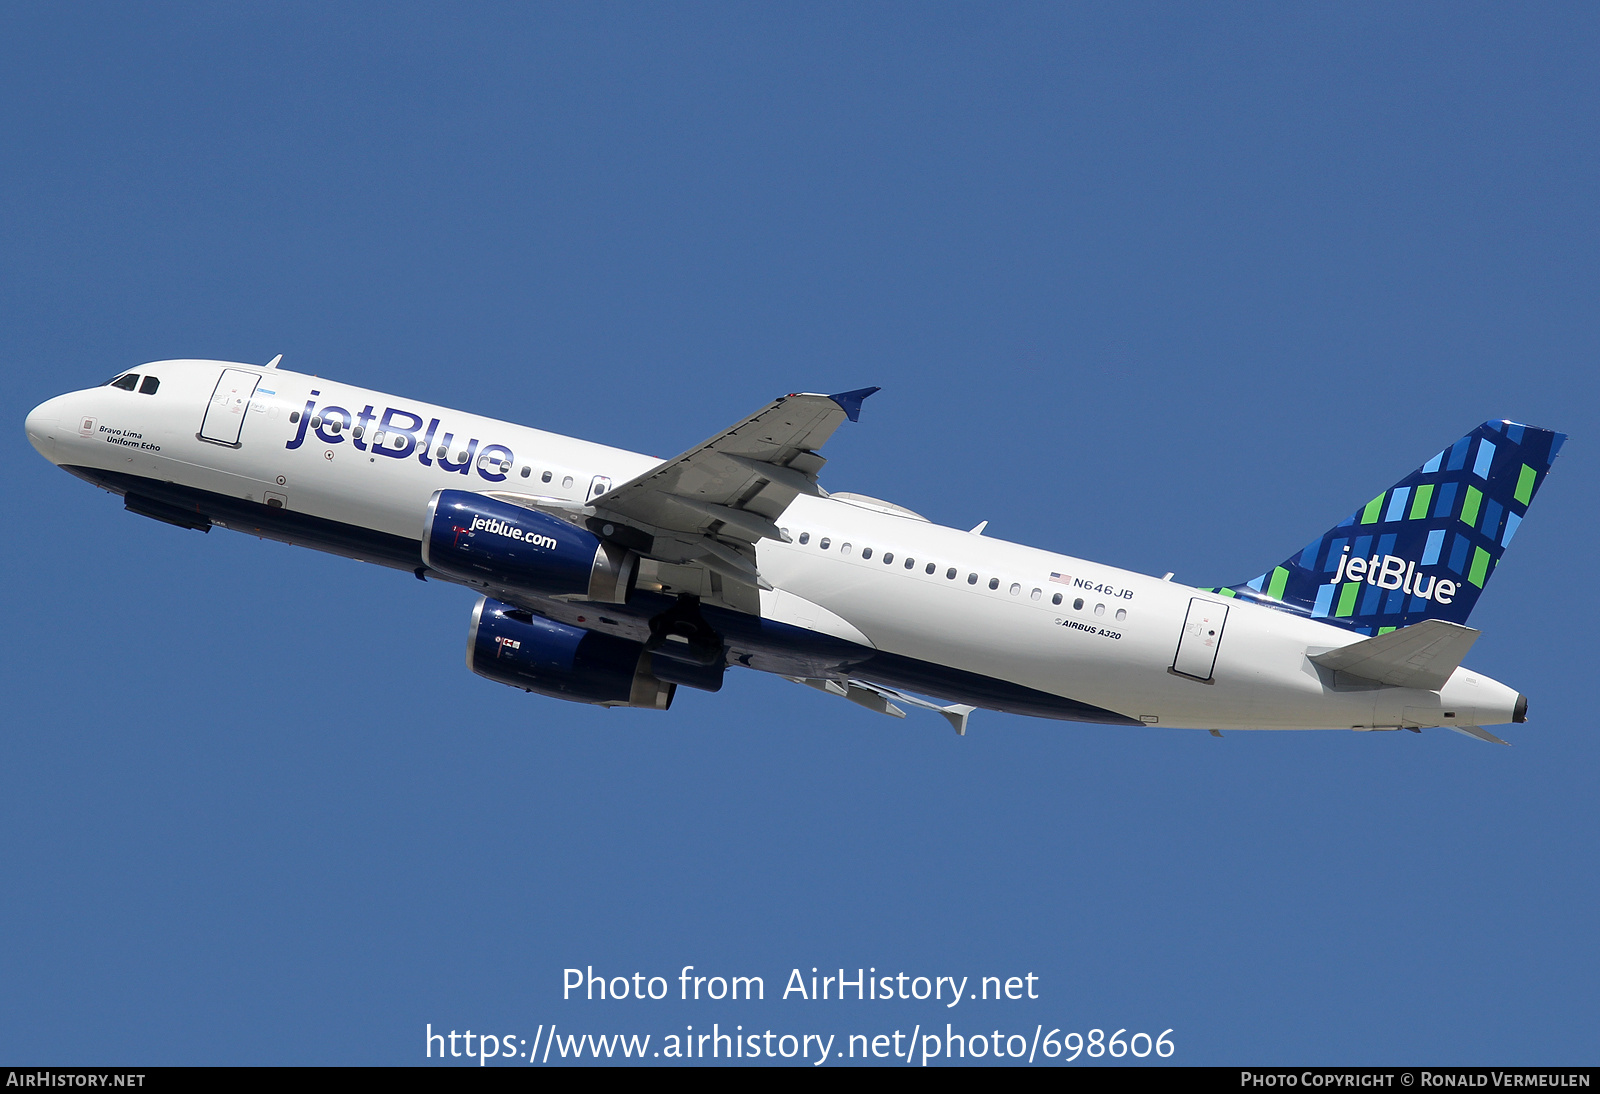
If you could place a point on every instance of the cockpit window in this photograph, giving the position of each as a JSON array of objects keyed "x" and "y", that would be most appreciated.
[
  {"x": 127, "y": 382},
  {"x": 149, "y": 386}
]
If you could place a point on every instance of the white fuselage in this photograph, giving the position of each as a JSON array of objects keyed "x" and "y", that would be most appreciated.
[{"x": 1050, "y": 622}]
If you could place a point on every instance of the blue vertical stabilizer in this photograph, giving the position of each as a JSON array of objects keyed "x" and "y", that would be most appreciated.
[{"x": 1423, "y": 549}]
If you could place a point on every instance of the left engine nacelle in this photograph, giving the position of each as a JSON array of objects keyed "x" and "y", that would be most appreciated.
[
  {"x": 511, "y": 646},
  {"x": 478, "y": 539}
]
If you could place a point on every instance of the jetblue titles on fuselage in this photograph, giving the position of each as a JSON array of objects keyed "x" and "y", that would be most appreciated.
[{"x": 401, "y": 435}]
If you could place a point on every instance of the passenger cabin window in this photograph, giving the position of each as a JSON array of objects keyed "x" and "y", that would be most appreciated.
[
  {"x": 1016, "y": 588},
  {"x": 824, "y": 543},
  {"x": 526, "y": 471},
  {"x": 950, "y": 574},
  {"x": 566, "y": 483},
  {"x": 1099, "y": 609},
  {"x": 294, "y": 416},
  {"x": 545, "y": 477},
  {"x": 1056, "y": 599},
  {"x": 972, "y": 579},
  {"x": 844, "y": 548},
  {"x": 805, "y": 538},
  {"x": 149, "y": 386},
  {"x": 1077, "y": 605},
  {"x": 994, "y": 583},
  {"x": 910, "y": 562},
  {"x": 1036, "y": 594},
  {"x": 888, "y": 557},
  {"x": 1122, "y": 613},
  {"x": 126, "y": 383},
  {"x": 931, "y": 568},
  {"x": 866, "y": 552}
]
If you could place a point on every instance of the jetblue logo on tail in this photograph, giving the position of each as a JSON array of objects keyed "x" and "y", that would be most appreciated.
[
  {"x": 1424, "y": 548},
  {"x": 1389, "y": 572}
]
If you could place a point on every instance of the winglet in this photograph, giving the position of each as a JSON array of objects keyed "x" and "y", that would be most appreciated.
[
  {"x": 957, "y": 715},
  {"x": 850, "y": 401}
]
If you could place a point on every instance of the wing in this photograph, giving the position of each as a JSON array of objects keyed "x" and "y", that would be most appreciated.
[
  {"x": 881, "y": 699},
  {"x": 697, "y": 517}
]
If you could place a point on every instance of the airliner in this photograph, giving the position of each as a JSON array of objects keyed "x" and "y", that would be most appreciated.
[{"x": 613, "y": 578}]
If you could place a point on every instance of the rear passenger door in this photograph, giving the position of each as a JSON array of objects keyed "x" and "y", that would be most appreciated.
[{"x": 1202, "y": 635}]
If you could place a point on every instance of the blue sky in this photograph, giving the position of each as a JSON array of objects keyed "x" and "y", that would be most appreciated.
[{"x": 1170, "y": 287}]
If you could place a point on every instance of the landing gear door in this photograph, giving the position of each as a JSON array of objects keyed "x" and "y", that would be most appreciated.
[
  {"x": 229, "y": 404},
  {"x": 1202, "y": 634}
]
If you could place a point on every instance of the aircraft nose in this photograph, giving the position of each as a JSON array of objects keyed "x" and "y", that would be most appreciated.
[{"x": 41, "y": 427}]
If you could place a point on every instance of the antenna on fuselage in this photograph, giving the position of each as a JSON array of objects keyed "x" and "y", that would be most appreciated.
[{"x": 274, "y": 362}]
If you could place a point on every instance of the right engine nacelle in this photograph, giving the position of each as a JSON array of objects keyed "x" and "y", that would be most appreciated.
[
  {"x": 484, "y": 541},
  {"x": 527, "y": 651}
]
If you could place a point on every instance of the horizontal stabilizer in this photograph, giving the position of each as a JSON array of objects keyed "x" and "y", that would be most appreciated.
[{"x": 1422, "y": 655}]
